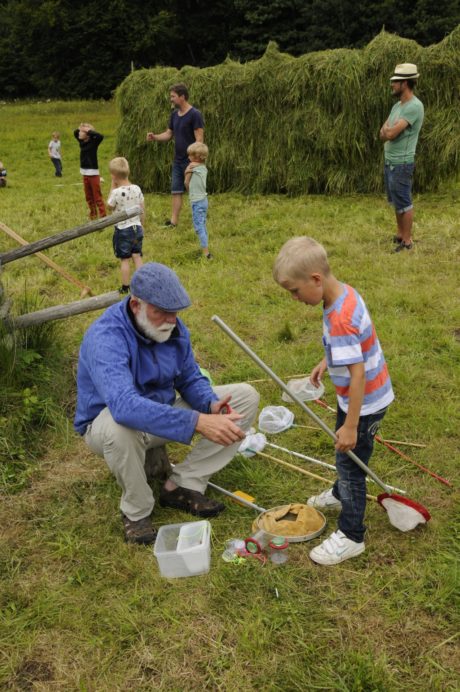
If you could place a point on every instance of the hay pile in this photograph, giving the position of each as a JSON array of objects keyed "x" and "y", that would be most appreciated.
[{"x": 296, "y": 125}]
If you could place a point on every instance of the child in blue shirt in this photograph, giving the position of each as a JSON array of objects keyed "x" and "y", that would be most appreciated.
[{"x": 195, "y": 182}]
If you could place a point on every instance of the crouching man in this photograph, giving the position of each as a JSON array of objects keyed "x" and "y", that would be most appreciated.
[{"x": 139, "y": 387}]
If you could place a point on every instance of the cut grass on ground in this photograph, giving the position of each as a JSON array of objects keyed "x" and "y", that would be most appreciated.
[{"x": 81, "y": 610}]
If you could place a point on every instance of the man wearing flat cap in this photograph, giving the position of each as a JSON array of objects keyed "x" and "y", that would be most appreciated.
[
  {"x": 139, "y": 387},
  {"x": 400, "y": 134}
]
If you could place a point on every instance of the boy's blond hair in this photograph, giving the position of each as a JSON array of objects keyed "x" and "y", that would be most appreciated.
[
  {"x": 55, "y": 134},
  {"x": 299, "y": 258},
  {"x": 198, "y": 150},
  {"x": 119, "y": 166}
]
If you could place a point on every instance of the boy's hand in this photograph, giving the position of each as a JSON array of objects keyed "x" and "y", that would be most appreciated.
[
  {"x": 191, "y": 166},
  {"x": 318, "y": 372},
  {"x": 150, "y": 137},
  {"x": 346, "y": 438}
]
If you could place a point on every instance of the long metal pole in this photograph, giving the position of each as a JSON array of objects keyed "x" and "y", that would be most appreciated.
[{"x": 293, "y": 396}]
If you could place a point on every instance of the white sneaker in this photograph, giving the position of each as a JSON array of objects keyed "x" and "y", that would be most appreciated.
[
  {"x": 335, "y": 549},
  {"x": 326, "y": 500}
]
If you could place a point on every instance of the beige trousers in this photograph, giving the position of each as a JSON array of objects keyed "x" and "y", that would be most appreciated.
[{"x": 124, "y": 451}]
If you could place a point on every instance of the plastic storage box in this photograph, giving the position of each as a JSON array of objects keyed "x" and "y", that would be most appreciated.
[{"x": 183, "y": 550}]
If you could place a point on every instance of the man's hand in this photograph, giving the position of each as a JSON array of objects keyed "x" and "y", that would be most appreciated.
[
  {"x": 346, "y": 438},
  {"x": 317, "y": 373},
  {"x": 150, "y": 137},
  {"x": 219, "y": 428}
]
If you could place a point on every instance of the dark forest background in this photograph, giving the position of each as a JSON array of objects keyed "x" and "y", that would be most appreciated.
[{"x": 71, "y": 49}]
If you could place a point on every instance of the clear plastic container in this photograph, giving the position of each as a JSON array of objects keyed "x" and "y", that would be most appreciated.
[
  {"x": 278, "y": 548},
  {"x": 257, "y": 543},
  {"x": 183, "y": 550},
  {"x": 232, "y": 546}
]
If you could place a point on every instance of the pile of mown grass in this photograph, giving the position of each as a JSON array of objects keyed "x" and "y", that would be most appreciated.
[{"x": 295, "y": 125}]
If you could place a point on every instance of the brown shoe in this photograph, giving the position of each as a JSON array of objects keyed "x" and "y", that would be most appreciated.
[
  {"x": 140, "y": 531},
  {"x": 190, "y": 501}
]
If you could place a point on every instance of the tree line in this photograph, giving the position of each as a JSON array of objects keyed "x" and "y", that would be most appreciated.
[{"x": 76, "y": 49}]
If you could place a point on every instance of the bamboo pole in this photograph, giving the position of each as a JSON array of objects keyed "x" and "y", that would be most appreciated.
[
  {"x": 293, "y": 467},
  {"x": 85, "y": 290},
  {"x": 70, "y": 234}
]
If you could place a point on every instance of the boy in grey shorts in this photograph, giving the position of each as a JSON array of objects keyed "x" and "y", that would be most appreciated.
[{"x": 129, "y": 234}]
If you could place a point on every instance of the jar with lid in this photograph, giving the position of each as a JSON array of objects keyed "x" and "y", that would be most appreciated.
[
  {"x": 257, "y": 543},
  {"x": 278, "y": 550}
]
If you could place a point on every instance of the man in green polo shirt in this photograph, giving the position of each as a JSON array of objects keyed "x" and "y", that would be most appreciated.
[{"x": 400, "y": 134}]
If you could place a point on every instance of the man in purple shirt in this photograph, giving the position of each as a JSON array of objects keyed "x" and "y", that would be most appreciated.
[{"x": 186, "y": 127}]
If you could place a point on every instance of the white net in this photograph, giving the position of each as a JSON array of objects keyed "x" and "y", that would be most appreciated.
[
  {"x": 275, "y": 419},
  {"x": 304, "y": 389},
  {"x": 403, "y": 514},
  {"x": 252, "y": 443}
]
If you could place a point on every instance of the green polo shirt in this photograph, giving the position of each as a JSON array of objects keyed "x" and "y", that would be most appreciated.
[{"x": 402, "y": 149}]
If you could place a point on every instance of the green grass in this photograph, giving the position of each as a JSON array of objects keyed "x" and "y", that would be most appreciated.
[{"x": 80, "y": 609}]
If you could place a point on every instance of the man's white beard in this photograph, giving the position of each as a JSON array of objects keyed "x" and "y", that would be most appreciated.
[{"x": 159, "y": 334}]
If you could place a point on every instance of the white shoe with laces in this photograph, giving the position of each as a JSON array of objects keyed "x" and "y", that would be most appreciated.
[
  {"x": 324, "y": 500},
  {"x": 335, "y": 549}
]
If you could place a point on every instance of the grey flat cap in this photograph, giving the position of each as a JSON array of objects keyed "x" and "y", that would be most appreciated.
[{"x": 158, "y": 285}]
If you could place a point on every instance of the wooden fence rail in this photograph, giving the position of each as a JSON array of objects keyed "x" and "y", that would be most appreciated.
[
  {"x": 64, "y": 236},
  {"x": 60, "y": 312}
]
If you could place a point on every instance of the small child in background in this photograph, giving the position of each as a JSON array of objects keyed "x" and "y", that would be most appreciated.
[
  {"x": 3, "y": 174},
  {"x": 54, "y": 152},
  {"x": 89, "y": 141},
  {"x": 359, "y": 372},
  {"x": 128, "y": 235},
  {"x": 195, "y": 182}
]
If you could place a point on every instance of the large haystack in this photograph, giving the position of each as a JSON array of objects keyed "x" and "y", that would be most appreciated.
[{"x": 296, "y": 125}]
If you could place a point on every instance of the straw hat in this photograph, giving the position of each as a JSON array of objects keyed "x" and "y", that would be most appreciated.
[{"x": 407, "y": 70}]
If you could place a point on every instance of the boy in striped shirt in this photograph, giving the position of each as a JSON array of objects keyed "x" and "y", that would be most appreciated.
[{"x": 357, "y": 367}]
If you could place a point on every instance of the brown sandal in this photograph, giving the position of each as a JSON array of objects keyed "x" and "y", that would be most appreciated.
[{"x": 190, "y": 501}]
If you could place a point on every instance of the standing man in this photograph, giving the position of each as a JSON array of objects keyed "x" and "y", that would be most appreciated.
[
  {"x": 400, "y": 134},
  {"x": 139, "y": 387},
  {"x": 186, "y": 126}
]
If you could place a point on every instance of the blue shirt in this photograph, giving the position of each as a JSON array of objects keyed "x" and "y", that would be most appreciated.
[
  {"x": 183, "y": 127},
  {"x": 137, "y": 378}
]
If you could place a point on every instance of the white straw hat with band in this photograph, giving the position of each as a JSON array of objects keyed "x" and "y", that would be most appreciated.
[{"x": 407, "y": 70}]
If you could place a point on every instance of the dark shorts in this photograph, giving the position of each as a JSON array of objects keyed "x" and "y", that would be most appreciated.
[
  {"x": 398, "y": 185},
  {"x": 177, "y": 177},
  {"x": 128, "y": 241}
]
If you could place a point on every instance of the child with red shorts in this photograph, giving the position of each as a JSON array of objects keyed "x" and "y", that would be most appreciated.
[{"x": 89, "y": 141}]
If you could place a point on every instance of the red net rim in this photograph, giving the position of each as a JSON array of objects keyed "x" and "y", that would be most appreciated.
[{"x": 405, "y": 501}]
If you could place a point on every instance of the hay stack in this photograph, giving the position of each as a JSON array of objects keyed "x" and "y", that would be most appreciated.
[{"x": 297, "y": 125}]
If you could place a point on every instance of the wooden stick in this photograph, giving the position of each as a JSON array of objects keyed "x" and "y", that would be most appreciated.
[
  {"x": 407, "y": 444},
  {"x": 306, "y": 473},
  {"x": 404, "y": 456},
  {"x": 85, "y": 290},
  {"x": 60, "y": 312},
  {"x": 70, "y": 234}
]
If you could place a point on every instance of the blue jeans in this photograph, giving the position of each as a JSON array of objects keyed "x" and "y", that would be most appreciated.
[
  {"x": 398, "y": 185},
  {"x": 177, "y": 176},
  {"x": 199, "y": 214},
  {"x": 350, "y": 487},
  {"x": 57, "y": 163}
]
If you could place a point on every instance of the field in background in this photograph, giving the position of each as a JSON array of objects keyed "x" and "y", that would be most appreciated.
[{"x": 81, "y": 610}]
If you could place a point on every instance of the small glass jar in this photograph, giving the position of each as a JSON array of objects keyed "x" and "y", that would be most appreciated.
[
  {"x": 257, "y": 543},
  {"x": 278, "y": 550}
]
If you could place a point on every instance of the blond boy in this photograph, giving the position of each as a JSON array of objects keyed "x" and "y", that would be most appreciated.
[
  {"x": 357, "y": 367},
  {"x": 128, "y": 235},
  {"x": 195, "y": 182}
]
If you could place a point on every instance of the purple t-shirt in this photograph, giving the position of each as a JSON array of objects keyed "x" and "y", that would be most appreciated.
[{"x": 183, "y": 127}]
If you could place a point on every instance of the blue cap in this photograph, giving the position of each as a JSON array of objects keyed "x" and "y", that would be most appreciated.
[{"x": 158, "y": 285}]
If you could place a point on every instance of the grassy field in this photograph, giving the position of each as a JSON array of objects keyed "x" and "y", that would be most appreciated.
[{"x": 80, "y": 609}]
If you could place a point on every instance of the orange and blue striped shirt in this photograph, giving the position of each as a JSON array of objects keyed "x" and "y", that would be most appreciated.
[{"x": 350, "y": 337}]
